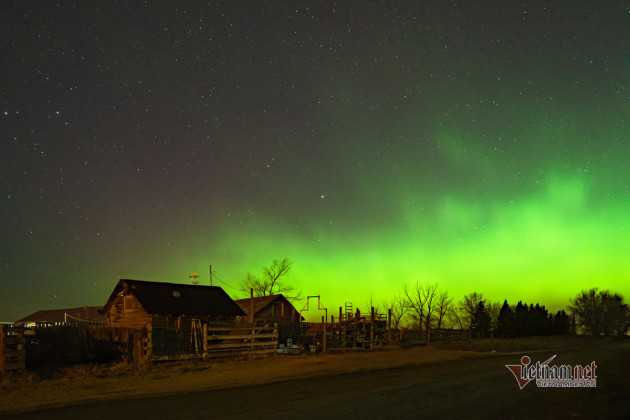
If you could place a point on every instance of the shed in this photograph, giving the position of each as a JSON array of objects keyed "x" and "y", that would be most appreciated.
[
  {"x": 49, "y": 317},
  {"x": 272, "y": 308}
]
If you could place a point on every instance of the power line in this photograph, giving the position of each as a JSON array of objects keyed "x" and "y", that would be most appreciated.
[
  {"x": 214, "y": 275},
  {"x": 67, "y": 315}
]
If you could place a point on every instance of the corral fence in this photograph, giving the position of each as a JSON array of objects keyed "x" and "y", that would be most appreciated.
[
  {"x": 353, "y": 330},
  {"x": 211, "y": 340},
  {"x": 80, "y": 343},
  {"x": 62, "y": 345}
]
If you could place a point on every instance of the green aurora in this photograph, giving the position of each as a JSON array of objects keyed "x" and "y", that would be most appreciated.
[{"x": 484, "y": 149}]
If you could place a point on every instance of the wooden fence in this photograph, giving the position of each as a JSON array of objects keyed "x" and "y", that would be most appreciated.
[
  {"x": 212, "y": 341},
  {"x": 71, "y": 344},
  {"x": 351, "y": 331},
  {"x": 362, "y": 332},
  {"x": 12, "y": 350}
]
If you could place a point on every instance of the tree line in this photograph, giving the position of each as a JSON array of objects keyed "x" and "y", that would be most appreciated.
[
  {"x": 425, "y": 307},
  {"x": 591, "y": 312}
]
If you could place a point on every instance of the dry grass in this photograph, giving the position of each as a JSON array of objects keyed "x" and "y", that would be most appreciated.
[
  {"x": 86, "y": 383},
  {"x": 519, "y": 344}
]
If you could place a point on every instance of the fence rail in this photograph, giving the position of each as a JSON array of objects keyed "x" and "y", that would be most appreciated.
[
  {"x": 214, "y": 342},
  {"x": 77, "y": 344}
]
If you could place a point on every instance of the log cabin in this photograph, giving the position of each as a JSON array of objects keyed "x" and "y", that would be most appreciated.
[{"x": 137, "y": 304}]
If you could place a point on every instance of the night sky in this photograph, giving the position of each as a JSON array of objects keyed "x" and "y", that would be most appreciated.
[{"x": 480, "y": 145}]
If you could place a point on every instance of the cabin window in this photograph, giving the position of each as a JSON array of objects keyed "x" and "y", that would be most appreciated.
[
  {"x": 277, "y": 309},
  {"x": 129, "y": 302}
]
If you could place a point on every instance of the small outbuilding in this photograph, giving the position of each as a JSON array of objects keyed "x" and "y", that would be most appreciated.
[
  {"x": 50, "y": 317},
  {"x": 270, "y": 309}
]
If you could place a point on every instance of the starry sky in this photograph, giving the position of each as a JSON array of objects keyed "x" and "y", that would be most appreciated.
[{"x": 480, "y": 145}]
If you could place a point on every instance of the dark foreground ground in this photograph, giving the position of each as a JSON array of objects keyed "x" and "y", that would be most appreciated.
[{"x": 464, "y": 388}]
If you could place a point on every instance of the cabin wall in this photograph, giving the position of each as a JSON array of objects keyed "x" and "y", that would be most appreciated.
[
  {"x": 280, "y": 311},
  {"x": 126, "y": 311}
]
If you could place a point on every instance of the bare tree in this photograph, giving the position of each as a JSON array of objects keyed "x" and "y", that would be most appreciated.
[
  {"x": 398, "y": 308},
  {"x": 444, "y": 305},
  {"x": 273, "y": 281},
  {"x": 430, "y": 301},
  {"x": 370, "y": 304},
  {"x": 467, "y": 307},
  {"x": 421, "y": 303},
  {"x": 414, "y": 301},
  {"x": 452, "y": 314},
  {"x": 494, "y": 308},
  {"x": 600, "y": 312}
]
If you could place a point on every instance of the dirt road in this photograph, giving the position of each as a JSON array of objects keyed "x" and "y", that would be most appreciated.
[{"x": 464, "y": 388}]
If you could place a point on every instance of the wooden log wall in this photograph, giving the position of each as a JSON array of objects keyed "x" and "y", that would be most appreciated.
[
  {"x": 12, "y": 349},
  {"x": 126, "y": 311}
]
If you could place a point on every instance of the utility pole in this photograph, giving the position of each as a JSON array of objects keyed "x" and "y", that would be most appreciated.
[{"x": 210, "y": 274}]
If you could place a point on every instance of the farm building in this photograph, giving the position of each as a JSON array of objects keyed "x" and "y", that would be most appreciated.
[
  {"x": 273, "y": 308},
  {"x": 137, "y": 304},
  {"x": 50, "y": 317},
  {"x": 176, "y": 314}
]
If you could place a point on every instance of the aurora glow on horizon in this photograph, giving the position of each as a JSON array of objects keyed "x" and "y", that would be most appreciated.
[{"x": 483, "y": 147}]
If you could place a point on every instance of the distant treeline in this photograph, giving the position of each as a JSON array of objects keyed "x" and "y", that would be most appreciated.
[
  {"x": 592, "y": 312},
  {"x": 523, "y": 321},
  {"x": 426, "y": 307}
]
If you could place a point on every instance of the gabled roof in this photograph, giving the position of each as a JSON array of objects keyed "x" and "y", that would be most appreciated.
[
  {"x": 84, "y": 313},
  {"x": 180, "y": 299},
  {"x": 260, "y": 303}
]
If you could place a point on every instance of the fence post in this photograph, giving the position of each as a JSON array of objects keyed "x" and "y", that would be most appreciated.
[
  {"x": 205, "y": 340},
  {"x": 251, "y": 341},
  {"x": 372, "y": 330},
  {"x": 389, "y": 325},
  {"x": 324, "y": 339},
  {"x": 2, "y": 347},
  {"x": 251, "y": 305},
  {"x": 357, "y": 317}
]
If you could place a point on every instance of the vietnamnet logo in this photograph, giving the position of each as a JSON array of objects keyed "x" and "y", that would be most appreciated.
[{"x": 546, "y": 376}]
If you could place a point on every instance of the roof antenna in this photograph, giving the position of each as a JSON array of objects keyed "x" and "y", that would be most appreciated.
[{"x": 194, "y": 276}]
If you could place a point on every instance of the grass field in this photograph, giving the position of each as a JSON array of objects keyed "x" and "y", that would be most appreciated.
[
  {"x": 519, "y": 344},
  {"x": 26, "y": 390}
]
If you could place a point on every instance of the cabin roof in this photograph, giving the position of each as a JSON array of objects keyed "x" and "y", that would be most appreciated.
[
  {"x": 83, "y": 313},
  {"x": 176, "y": 298},
  {"x": 260, "y": 303}
]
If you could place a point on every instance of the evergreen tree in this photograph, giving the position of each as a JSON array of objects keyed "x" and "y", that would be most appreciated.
[
  {"x": 561, "y": 323},
  {"x": 480, "y": 321},
  {"x": 505, "y": 327},
  {"x": 520, "y": 319}
]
